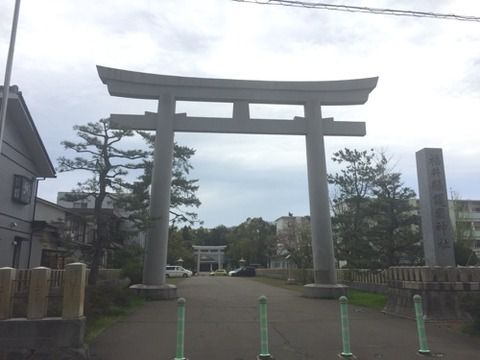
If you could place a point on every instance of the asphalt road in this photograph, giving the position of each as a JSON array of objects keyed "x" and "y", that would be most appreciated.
[{"x": 222, "y": 323}]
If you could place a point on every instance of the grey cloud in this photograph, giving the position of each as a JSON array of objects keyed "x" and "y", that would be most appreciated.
[
  {"x": 240, "y": 195},
  {"x": 171, "y": 36}
]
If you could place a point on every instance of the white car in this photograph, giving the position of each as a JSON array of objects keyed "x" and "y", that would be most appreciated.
[{"x": 177, "y": 271}]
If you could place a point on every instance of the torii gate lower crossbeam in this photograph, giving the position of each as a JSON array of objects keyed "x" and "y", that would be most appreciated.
[{"x": 169, "y": 89}]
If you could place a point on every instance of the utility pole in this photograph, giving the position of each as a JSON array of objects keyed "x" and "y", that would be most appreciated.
[{"x": 8, "y": 72}]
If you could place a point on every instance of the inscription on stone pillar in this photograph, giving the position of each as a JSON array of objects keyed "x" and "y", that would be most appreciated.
[{"x": 437, "y": 230}]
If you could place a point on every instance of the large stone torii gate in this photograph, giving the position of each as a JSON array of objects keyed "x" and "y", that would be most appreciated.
[{"x": 169, "y": 89}]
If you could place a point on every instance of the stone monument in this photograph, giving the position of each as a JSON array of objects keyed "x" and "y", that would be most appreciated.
[
  {"x": 441, "y": 285},
  {"x": 310, "y": 94},
  {"x": 438, "y": 237}
]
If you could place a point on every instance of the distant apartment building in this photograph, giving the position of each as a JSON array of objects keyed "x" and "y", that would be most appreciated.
[
  {"x": 466, "y": 214},
  {"x": 23, "y": 162}
]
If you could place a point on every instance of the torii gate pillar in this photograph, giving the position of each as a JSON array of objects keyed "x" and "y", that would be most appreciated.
[
  {"x": 169, "y": 89},
  {"x": 325, "y": 275}
]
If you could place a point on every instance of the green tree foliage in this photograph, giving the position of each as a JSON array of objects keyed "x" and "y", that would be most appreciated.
[
  {"x": 130, "y": 260},
  {"x": 252, "y": 240},
  {"x": 182, "y": 193},
  {"x": 99, "y": 155},
  {"x": 353, "y": 187},
  {"x": 375, "y": 222},
  {"x": 464, "y": 256},
  {"x": 180, "y": 246},
  {"x": 394, "y": 226}
]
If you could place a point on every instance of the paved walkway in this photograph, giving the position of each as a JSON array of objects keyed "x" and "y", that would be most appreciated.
[{"x": 222, "y": 323}]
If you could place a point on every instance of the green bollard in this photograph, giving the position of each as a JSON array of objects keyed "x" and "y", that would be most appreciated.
[
  {"x": 422, "y": 336},
  {"x": 264, "y": 354},
  {"x": 180, "y": 329},
  {"x": 345, "y": 327}
]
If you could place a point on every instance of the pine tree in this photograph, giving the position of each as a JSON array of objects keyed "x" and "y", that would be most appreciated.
[
  {"x": 395, "y": 220},
  {"x": 353, "y": 188},
  {"x": 182, "y": 192},
  {"x": 108, "y": 164},
  {"x": 375, "y": 220}
]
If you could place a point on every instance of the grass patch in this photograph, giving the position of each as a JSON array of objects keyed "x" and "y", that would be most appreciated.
[
  {"x": 470, "y": 329},
  {"x": 105, "y": 305},
  {"x": 96, "y": 326},
  {"x": 355, "y": 297},
  {"x": 370, "y": 300}
]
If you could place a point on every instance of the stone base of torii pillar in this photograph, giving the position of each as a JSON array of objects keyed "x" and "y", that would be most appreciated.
[
  {"x": 155, "y": 292},
  {"x": 325, "y": 291}
]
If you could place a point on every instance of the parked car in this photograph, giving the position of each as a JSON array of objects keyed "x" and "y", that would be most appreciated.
[
  {"x": 219, "y": 272},
  {"x": 177, "y": 271},
  {"x": 243, "y": 271}
]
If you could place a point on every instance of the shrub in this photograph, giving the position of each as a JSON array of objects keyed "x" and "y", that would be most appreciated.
[
  {"x": 464, "y": 256},
  {"x": 130, "y": 260},
  {"x": 471, "y": 304},
  {"x": 105, "y": 299}
]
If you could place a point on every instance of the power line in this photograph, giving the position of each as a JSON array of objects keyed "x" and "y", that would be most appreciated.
[{"x": 362, "y": 9}]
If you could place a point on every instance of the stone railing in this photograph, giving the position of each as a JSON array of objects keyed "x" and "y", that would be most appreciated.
[
  {"x": 424, "y": 274},
  {"x": 435, "y": 274},
  {"x": 35, "y": 331},
  {"x": 361, "y": 279},
  {"x": 364, "y": 279},
  {"x": 442, "y": 290},
  {"x": 362, "y": 275},
  {"x": 300, "y": 276}
]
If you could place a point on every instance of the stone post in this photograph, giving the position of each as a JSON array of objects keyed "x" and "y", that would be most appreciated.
[
  {"x": 74, "y": 290},
  {"x": 38, "y": 293},
  {"x": 7, "y": 278}
]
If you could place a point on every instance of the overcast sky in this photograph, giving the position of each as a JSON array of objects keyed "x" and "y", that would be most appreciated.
[{"x": 427, "y": 94}]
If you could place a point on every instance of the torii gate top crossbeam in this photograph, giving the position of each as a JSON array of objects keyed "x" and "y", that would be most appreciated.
[{"x": 132, "y": 84}]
